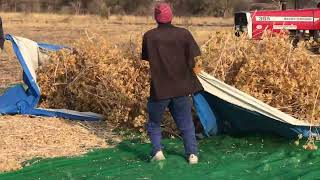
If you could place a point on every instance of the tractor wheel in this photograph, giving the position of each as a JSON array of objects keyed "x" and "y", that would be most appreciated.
[
  {"x": 295, "y": 38},
  {"x": 237, "y": 33}
]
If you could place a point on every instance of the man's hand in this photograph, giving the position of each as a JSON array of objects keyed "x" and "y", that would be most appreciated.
[{"x": 197, "y": 70}]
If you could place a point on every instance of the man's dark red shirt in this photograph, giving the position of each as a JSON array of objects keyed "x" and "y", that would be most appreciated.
[{"x": 171, "y": 51}]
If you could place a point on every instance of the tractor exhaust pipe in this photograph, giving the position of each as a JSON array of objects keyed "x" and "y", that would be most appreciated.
[
  {"x": 296, "y": 4},
  {"x": 283, "y": 5}
]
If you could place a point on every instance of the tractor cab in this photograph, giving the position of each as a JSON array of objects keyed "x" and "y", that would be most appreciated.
[{"x": 243, "y": 23}]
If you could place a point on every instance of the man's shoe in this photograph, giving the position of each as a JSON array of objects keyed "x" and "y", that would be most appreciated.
[
  {"x": 158, "y": 156},
  {"x": 193, "y": 159}
]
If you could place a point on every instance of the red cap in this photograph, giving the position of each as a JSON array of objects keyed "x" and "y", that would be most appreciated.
[{"x": 163, "y": 13}]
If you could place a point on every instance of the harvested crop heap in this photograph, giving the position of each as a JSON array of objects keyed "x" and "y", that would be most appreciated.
[
  {"x": 115, "y": 82},
  {"x": 270, "y": 70},
  {"x": 99, "y": 78}
]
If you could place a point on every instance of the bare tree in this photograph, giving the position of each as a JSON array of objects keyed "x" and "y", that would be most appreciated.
[{"x": 76, "y": 5}]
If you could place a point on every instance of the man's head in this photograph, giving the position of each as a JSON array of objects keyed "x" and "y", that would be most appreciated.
[{"x": 163, "y": 13}]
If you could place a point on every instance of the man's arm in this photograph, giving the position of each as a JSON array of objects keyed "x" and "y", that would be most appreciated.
[
  {"x": 144, "y": 53},
  {"x": 193, "y": 51},
  {"x": 1, "y": 35}
]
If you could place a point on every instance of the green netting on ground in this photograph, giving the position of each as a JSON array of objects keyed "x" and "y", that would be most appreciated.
[{"x": 221, "y": 158}]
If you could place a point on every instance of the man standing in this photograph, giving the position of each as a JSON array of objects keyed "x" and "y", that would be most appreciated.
[{"x": 171, "y": 51}]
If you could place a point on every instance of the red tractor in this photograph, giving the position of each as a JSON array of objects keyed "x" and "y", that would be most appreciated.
[{"x": 300, "y": 23}]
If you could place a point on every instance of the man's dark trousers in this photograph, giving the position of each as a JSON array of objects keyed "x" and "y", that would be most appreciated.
[{"x": 180, "y": 109}]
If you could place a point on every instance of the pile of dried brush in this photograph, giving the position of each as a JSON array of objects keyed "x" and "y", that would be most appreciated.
[
  {"x": 100, "y": 78},
  {"x": 115, "y": 82},
  {"x": 271, "y": 70}
]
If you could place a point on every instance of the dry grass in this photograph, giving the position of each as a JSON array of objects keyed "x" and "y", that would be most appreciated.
[
  {"x": 65, "y": 29},
  {"x": 10, "y": 69},
  {"x": 24, "y": 138}
]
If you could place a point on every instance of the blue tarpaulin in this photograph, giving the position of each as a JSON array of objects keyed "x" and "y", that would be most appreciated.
[{"x": 18, "y": 100}]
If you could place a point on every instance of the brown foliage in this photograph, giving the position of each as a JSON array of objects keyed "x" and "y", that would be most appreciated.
[
  {"x": 98, "y": 78},
  {"x": 271, "y": 70},
  {"x": 104, "y": 79}
]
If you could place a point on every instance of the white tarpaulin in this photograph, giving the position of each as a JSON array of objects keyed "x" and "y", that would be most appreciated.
[{"x": 243, "y": 100}]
